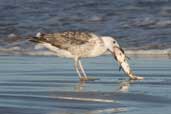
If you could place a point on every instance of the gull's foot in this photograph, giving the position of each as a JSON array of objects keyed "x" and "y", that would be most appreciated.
[
  {"x": 88, "y": 79},
  {"x": 83, "y": 79},
  {"x": 137, "y": 78}
]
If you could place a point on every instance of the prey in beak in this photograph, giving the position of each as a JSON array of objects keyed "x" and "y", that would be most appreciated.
[{"x": 121, "y": 58}]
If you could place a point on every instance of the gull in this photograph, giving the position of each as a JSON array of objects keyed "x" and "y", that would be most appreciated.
[{"x": 78, "y": 44}]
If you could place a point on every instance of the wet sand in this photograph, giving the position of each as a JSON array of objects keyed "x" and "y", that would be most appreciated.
[{"x": 49, "y": 85}]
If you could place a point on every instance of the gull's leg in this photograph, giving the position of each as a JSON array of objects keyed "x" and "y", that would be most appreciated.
[
  {"x": 76, "y": 68},
  {"x": 82, "y": 69}
]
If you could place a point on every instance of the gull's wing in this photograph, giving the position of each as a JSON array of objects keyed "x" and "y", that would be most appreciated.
[{"x": 65, "y": 40}]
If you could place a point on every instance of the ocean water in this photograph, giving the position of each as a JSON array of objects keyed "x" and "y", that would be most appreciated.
[
  {"x": 49, "y": 85},
  {"x": 136, "y": 24}
]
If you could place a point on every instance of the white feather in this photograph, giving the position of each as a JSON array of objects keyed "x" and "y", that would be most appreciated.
[{"x": 58, "y": 52}]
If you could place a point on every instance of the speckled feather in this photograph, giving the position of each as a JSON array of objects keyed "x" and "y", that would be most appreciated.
[{"x": 65, "y": 40}]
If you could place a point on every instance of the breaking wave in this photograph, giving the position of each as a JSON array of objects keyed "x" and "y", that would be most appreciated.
[{"x": 40, "y": 51}]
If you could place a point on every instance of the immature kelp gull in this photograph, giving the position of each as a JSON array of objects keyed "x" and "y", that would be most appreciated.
[{"x": 77, "y": 45}]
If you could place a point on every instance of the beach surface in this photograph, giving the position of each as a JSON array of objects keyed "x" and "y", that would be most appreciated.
[{"x": 49, "y": 85}]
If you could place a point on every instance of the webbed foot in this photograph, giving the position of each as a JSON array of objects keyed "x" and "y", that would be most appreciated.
[{"x": 83, "y": 79}]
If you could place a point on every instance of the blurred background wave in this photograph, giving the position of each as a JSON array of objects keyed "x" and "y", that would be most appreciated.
[{"x": 137, "y": 24}]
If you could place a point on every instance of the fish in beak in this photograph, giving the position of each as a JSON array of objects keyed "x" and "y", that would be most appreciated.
[{"x": 120, "y": 56}]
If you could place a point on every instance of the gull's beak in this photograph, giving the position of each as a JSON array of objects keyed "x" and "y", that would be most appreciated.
[
  {"x": 121, "y": 49},
  {"x": 114, "y": 51},
  {"x": 116, "y": 45}
]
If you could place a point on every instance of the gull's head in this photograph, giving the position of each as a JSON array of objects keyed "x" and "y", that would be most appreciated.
[{"x": 110, "y": 43}]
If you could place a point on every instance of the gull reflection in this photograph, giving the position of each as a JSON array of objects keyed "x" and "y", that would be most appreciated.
[
  {"x": 80, "y": 86},
  {"x": 125, "y": 85}
]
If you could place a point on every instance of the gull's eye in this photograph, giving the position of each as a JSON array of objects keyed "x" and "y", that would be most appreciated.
[{"x": 114, "y": 42}]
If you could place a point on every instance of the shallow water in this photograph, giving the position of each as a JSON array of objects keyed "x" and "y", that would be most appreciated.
[
  {"x": 135, "y": 23},
  {"x": 49, "y": 85}
]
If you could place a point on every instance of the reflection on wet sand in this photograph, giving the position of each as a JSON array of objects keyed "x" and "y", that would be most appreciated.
[
  {"x": 108, "y": 110},
  {"x": 88, "y": 99},
  {"x": 124, "y": 85},
  {"x": 99, "y": 111},
  {"x": 32, "y": 85},
  {"x": 80, "y": 86}
]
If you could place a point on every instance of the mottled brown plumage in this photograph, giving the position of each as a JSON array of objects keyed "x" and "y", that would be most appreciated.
[{"x": 65, "y": 40}]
